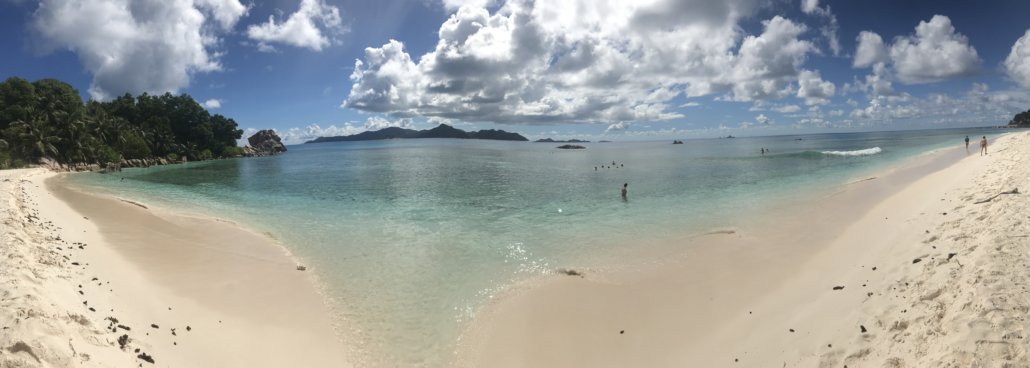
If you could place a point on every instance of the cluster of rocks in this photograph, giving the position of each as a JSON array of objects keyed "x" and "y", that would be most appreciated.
[
  {"x": 262, "y": 143},
  {"x": 53, "y": 165}
]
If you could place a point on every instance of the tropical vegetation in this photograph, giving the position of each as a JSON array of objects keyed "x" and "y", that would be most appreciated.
[
  {"x": 1021, "y": 119},
  {"x": 47, "y": 119}
]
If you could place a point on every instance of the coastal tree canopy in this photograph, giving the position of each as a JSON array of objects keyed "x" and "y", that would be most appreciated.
[
  {"x": 48, "y": 119},
  {"x": 1021, "y": 119}
]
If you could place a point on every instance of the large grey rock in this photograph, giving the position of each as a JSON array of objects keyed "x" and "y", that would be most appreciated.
[{"x": 265, "y": 142}]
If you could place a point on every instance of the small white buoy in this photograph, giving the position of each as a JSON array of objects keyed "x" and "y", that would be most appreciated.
[{"x": 559, "y": 210}]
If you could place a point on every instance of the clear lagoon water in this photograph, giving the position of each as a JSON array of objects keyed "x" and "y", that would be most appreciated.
[{"x": 410, "y": 237}]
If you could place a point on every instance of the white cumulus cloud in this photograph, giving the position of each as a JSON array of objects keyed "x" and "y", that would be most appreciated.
[
  {"x": 870, "y": 50},
  {"x": 617, "y": 127},
  {"x": 213, "y": 104},
  {"x": 1017, "y": 64},
  {"x": 936, "y": 52},
  {"x": 456, "y": 4},
  {"x": 809, "y": 6},
  {"x": 377, "y": 123},
  {"x": 313, "y": 26},
  {"x": 136, "y": 46},
  {"x": 762, "y": 119},
  {"x": 814, "y": 89},
  {"x": 582, "y": 61}
]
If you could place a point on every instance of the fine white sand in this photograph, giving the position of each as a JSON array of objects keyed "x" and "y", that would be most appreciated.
[
  {"x": 904, "y": 270},
  {"x": 80, "y": 271}
]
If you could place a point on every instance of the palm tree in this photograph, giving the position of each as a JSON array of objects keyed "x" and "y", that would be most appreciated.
[{"x": 36, "y": 138}]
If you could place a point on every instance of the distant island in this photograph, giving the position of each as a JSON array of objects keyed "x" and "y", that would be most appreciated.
[
  {"x": 441, "y": 131},
  {"x": 549, "y": 140}
]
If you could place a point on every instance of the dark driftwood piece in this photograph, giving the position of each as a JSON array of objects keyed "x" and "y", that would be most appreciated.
[{"x": 1013, "y": 191}]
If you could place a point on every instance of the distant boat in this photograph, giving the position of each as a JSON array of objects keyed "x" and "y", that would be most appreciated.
[
  {"x": 677, "y": 142},
  {"x": 730, "y": 136}
]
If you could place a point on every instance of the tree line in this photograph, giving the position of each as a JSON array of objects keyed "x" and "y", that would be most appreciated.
[{"x": 48, "y": 119}]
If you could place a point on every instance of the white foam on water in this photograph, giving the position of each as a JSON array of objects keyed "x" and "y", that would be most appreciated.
[{"x": 861, "y": 152}]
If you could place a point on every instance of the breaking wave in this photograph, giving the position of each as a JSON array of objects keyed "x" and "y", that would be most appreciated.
[{"x": 861, "y": 152}]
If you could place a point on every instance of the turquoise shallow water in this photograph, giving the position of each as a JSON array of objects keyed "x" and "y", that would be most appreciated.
[{"x": 411, "y": 236}]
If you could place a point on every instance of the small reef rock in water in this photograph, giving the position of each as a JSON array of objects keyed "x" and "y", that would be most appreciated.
[
  {"x": 571, "y": 146},
  {"x": 264, "y": 143}
]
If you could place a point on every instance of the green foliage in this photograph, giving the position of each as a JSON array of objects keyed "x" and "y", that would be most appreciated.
[
  {"x": 134, "y": 146},
  {"x": 106, "y": 154},
  {"x": 232, "y": 151},
  {"x": 47, "y": 119},
  {"x": 173, "y": 157},
  {"x": 1021, "y": 119}
]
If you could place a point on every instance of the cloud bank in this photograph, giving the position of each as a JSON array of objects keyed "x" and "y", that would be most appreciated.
[
  {"x": 582, "y": 61},
  {"x": 137, "y": 46}
]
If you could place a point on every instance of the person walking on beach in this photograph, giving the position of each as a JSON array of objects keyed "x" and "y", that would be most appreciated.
[
  {"x": 983, "y": 146},
  {"x": 967, "y": 143},
  {"x": 624, "y": 188}
]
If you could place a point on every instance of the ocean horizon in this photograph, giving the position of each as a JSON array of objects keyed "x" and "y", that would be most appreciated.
[{"x": 410, "y": 237}]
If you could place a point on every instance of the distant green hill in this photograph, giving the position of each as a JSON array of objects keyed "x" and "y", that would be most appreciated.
[{"x": 441, "y": 131}]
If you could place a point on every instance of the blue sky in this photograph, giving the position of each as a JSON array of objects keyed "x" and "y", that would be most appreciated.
[{"x": 594, "y": 69}]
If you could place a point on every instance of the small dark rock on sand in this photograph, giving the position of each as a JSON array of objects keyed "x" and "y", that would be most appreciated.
[
  {"x": 146, "y": 358},
  {"x": 838, "y": 288},
  {"x": 917, "y": 260},
  {"x": 154, "y": 325},
  {"x": 950, "y": 255},
  {"x": 301, "y": 268},
  {"x": 188, "y": 328},
  {"x": 123, "y": 340},
  {"x": 863, "y": 328},
  {"x": 792, "y": 330},
  {"x": 569, "y": 272}
]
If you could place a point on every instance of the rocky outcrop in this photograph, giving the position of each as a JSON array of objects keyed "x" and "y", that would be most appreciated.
[{"x": 264, "y": 143}]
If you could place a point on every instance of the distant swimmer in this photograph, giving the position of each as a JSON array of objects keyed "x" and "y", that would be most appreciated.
[
  {"x": 983, "y": 146},
  {"x": 967, "y": 143},
  {"x": 595, "y": 168},
  {"x": 624, "y": 188},
  {"x": 763, "y": 151}
]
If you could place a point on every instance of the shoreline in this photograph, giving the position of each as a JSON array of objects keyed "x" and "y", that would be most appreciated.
[
  {"x": 220, "y": 294},
  {"x": 701, "y": 307}
]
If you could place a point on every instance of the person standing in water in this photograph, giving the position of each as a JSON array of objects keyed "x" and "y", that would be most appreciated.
[
  {"x": 967, "y": 143},
  {"x": 983, "y": 146},
  {"x": 624, "y": 188}
]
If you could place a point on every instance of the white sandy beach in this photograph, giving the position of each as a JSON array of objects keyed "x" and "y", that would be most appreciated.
[
  {"x": 904, "y": 270},
  {"x": 81, "y": 271},
  {"x": 901, "y": 270}
]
